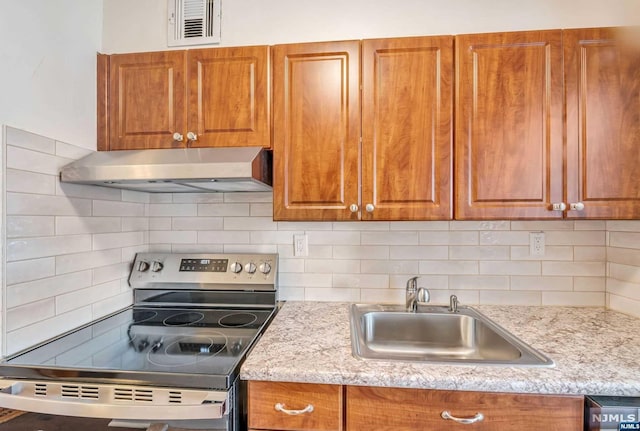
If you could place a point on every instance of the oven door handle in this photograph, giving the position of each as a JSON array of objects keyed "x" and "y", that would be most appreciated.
[{"x": 18, "y": 395}]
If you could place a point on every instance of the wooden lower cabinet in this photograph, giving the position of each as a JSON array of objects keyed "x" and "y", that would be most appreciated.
[
  {"x": 370, "y": 408},
  {"x": 326, "y": 411},
  {"x": 356, "y": 408}
]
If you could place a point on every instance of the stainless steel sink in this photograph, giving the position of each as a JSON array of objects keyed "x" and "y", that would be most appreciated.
[{"x": 436, "y": 335}]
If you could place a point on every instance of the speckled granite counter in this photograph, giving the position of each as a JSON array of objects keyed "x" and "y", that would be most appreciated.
[{"x": 596, "y": 351}]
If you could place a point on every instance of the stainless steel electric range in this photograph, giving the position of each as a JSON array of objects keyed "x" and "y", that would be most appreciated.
[{"x": 173, "y": 357}]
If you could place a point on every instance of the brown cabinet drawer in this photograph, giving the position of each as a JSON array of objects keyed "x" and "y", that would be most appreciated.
[
  {"x": 327, "y": 401},
  {"x": 370, "y": 408}
]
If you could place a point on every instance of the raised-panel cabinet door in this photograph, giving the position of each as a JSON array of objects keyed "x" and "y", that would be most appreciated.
[
  {"x": 316, "y": 130},
  {"x": 228, "y": 97},
  {"x": 602, "y": 84},
  {"x": 509, "y": 125},
  {"x": 146, "y": 100},
  {"x": 407, "y": 128}
]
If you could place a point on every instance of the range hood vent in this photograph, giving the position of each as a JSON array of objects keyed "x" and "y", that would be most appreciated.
[{"x": 188, "y": 170}]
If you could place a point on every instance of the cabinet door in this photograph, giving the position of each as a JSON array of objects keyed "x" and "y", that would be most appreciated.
[
  {"x": 318, "y": 407},
  {"x": 228, "y": 96},
  {"x": 392, "y": 409},
  {"x": 146, "y": 100},
  {"x": 407, "y": 128},
  {"x": 509, "y": 125},
  {"x": 316, "y": 130},
  {"x": 602, "y": 79}
]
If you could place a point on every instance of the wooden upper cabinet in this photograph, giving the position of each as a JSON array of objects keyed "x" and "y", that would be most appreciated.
[
  {"x": 228, "y": 96},
  {"x": 602, "y": 81},
  {"x": 509, "y": 125},
  {"x": 407, "y": 128},
  {"x": 316, "y": 130},
  {"x": 146, "y": 100},
  {"x": 220, "y": 94}
]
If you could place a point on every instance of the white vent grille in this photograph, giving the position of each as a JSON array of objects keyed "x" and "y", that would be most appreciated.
[
  {"x": 129, "y": 394},
  {"x": 194, "y": 22},
  {"x": 40, "y": 389},
  {"x": 78, "y": 391}
]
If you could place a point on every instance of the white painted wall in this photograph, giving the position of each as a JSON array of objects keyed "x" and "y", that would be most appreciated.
[
  {"x": 140, "y": 25},
  {"x": 47, "y": 67}
]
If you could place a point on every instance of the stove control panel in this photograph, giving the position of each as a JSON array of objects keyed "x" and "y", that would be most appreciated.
[{"x": 204, "y": 271}]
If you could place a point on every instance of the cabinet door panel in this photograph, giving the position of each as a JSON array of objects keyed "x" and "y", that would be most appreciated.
[
  {"x": 147, "y": 100},
  {"x": 509, "y": 127},
  {"x": 407, "y": 128},
  {"x": 228, "y": 96},
  {"x": 602, "y": 78},
  {"x": 316, "y": 130},
  {"x": 392, "y": 409},
  {"x": 326, "y": 401}
]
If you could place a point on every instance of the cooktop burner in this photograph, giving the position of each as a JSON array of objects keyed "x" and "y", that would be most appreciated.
[
  {"x": 183, "y": 319},
  {"x": 237, "y": 320},
  {"x": 143, "y": 316}
]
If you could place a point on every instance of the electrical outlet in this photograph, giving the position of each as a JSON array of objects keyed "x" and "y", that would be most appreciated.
[
  {"x": 536, "y": 244},
  {"x": 300, "y": 245}
]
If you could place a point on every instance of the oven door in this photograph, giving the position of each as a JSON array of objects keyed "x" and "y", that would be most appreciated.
[{"x": 125, "y": 402}]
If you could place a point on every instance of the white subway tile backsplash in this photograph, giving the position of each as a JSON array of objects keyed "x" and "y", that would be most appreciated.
[
  {"x": 450, "y": 267},
  {"x": 624, "y": 272},
  {"x": 419, "y": 225},
  {"x": 85, "y": 297},
  {"x": 135, "y": 223},
  {"x": 261, "y": 210},
  {"x": 173, "y": 210},
  {"x": 249, "y": 223},
  {"x": 510, "y": 268},
  {"x": 552, "y": 252},
  {"x": 249, "y": 248},
  {"x": 575, "y": 299},
  {"x": 30, "y": 313},
  {"x": 72, "y": 152},
  {"x": 449, "y": 238},
  {"x": 418, "y": 252},
  {"x": 504, "y": 238},
  {"x": 542, "y": 284},
  {"x": 87, "y": 260},
  {"x": 162, "y": 223},
  {"x": 160, "y": 198},
  {"x": 623, "y": 255},
  {"x": 624, "y": 239},
  {"x": 595, "y": 269},
  {"x": 223, "y": 210},
  {"x": 30, "y": 204},
  {"x": 188, "y": 248},
  {"x": 590, "y": 225},
  {"x": 224, "y": 237},
  {"x": 34, "y": 161},
  {"x": 103, "y": 241},
  {"x": 23, "y": 293},
  {"x": 291, "y": 265},
  {"x": 32, "y": 248},
  {"x": 29, "y": 226},
  {"x": 590, "y": 253},
  {"x": 430, "y": 282},
  {"x": 589, "y": 284},
  {"x": 117, "y": 209},
  {"x": 360, "y": 252},
  {"x": 372, "y": 281},
  {"x": 479, "y": 225},
  {"x": 499, "y": 297},
  {"x": 173, "y": 237},
  {"x": 331, "y": 266},
  {"x": 191, "y": 223},
  {"x": 389, "y": 266},
  {"x": 382, "y": 296},
  {"x": 249, "y": 197},
  {"x": 133, "y": 196},
  {"x": 574, "y": 238},
  {"x": 28, "y": 270},
  {"x": 88, "y": 192},
  {"x": 331, "y": 294},
  {"x": 24, "y": 139},
  {"x": 197, "y": 198},
  {"x": 112, "y": 304},
  {"x": 478, "y": 252},
  {"x": 624, "y": 305},
  {"x": 334, "y": 238},
  {"x": 479, "y": 282},
  {"x": 272, "y": 237},
  {"x": 389, "y": 238},
  {"x": 360, "y": 226},
  {"x": 66, "y": 225},
  {"x": 306, "y": 280},
  {"x": 542, "y": 225},
  {"x": 118, "y": 271},
  {"x": 30, "y": 182}
]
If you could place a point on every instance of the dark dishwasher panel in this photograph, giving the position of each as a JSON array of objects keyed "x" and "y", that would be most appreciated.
[{"x": 607, "y": 413}]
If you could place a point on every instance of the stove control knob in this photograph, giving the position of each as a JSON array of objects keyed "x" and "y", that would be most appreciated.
[
  {"x": 236, "y": 267},
  {"x": 156, "y": 266},
  {"x": 265, "y": 268},
  {"x": 250, "y": 267},
  {"x": 143, "y": 266}
]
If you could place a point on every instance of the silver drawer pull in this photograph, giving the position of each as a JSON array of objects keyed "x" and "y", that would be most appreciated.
[
  {"x": 465, "y": 421},
  {"x": 280, "y": 407}
]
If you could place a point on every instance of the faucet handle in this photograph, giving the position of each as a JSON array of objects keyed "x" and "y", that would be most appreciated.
[{"x": 423, "y": 295}]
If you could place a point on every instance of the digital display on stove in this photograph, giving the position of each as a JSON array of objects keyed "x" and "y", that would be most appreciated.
[{"x": 204, "y": 265}]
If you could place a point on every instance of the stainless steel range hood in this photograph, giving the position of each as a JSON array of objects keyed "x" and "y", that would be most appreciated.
[{"x": 238, "y": 169}]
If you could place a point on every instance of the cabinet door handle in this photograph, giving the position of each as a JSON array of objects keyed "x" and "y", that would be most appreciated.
[
  {"x": 465, "y": 421},
  {"x": 577, "y": 206},
  {"x": 280, "y": 408},
  {"x": 559, "y": 206},
  {"x": 192, "y": 136},
  {"x": 369, "y": 208},
  {"x": 354, "y": 208},
  {"x": 178, "y": 137}
]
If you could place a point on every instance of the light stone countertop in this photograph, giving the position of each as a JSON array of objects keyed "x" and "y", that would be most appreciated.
[{"x": 596, "y": 351}]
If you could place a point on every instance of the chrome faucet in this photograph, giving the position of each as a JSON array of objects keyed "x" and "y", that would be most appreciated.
[
  {"x": 453, "y": 304},
  {"x": 415, "y": 295}
]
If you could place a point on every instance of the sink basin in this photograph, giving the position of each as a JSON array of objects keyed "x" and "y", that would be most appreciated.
[{"x": 436, "y": 335}]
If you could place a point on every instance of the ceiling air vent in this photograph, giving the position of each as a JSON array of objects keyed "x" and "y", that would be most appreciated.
[{"x": 194, "y": 22}]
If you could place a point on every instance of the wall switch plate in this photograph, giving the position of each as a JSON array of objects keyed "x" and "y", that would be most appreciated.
[
  {"x": 536, "y": 244},
  {"x": 300, "y": 245}
]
